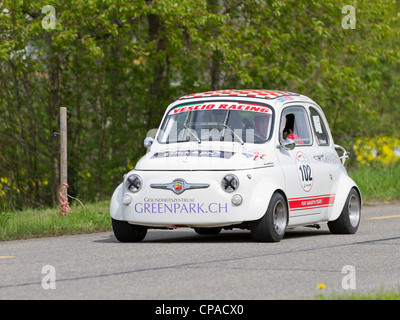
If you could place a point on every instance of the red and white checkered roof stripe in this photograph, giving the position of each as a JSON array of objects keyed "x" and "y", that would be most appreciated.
[{"x": 265, "y": 94}]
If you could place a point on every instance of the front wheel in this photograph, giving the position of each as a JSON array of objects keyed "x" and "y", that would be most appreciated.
[
  {"x": 271, "y": 227},
  {"x": 349, "y": 219},
  {"x": 126, "y": 232}
]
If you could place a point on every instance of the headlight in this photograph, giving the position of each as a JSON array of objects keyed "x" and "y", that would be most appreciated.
[
  {"x": 230, "y": 183},
  {"x": 134, "y": 183}
]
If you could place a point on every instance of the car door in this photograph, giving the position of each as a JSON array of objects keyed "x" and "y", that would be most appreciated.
[
  {"x": 306, "y": 184},
  {"x": 326, "y": 155}
]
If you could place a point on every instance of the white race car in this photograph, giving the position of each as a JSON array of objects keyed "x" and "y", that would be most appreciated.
[{"x": 261, "y": 160}]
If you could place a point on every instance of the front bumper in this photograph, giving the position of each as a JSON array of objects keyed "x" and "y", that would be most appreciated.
[{"x": 205, "y": 207}]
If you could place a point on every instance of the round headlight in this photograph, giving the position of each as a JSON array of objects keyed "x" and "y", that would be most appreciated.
[
  {"x": 230, "y": 183},
  {"x": 134, "y": 183}
]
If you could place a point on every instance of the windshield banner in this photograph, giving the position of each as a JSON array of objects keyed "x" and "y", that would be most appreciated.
[{"x": 222, "y": 106}]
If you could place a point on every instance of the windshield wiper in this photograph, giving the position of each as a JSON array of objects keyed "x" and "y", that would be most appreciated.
[
  {"x": 231, "y": 131},
  {"x": 192, "y": 134},
  {"x": 186, "y": 126},
  {"x": 225, "y": 127}
]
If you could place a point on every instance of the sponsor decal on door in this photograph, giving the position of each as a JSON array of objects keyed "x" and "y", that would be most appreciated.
[{"x": 305, "y": 203}]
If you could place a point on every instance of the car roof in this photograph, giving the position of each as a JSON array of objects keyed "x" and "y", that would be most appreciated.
[
  {"x": 259, "y": 93},
  {"x": 275, "y": 98}
]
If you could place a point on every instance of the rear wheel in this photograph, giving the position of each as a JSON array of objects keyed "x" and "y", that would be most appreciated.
[
  {"x": 271, "y": 227},
  {"x": 349, "y": 219},
  {"x": 126, "y": 232}
]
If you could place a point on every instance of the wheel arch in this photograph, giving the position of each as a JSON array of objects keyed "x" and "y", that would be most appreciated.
[
  {"x": 261, "y": 198},
  {"x": 116, "y": 206},
  {"x": 342, "y": 191}
]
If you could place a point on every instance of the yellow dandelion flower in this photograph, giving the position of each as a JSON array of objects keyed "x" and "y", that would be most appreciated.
[{"x": 321, "y": 286}]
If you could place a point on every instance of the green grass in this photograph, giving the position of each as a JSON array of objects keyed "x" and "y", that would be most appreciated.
[
  {"x": 383, "y": 294},
  {"x": 378, "y": 183},
  {"x": 47, "y": 222}
]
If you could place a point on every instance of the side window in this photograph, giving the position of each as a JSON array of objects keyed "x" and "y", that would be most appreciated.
[
  {"x": 319, "y": 128},
  {"x": 295, "y": 125}
]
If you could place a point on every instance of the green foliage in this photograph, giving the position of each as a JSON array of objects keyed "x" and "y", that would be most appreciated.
[{"x": 116, "y": 65}]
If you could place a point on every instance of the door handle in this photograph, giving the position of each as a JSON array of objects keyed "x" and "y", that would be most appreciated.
[{"x": 319, "y": 156}]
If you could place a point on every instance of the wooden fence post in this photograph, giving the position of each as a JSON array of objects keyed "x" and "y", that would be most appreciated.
[{"x": 63, "y": 150}]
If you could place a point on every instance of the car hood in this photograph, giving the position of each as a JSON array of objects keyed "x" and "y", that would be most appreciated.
[{"x": 206, "y": 158}]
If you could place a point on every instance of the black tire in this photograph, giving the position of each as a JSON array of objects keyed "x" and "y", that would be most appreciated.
[
  {"x": 126, "y": 232},
  {"x": 349, "y": 220},
  {"x": 271, "y": 227},
  {"x": 208, "y": 230}
]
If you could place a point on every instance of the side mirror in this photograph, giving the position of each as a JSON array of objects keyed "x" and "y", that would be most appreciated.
[
  {"x": 288, "y": 144},
  {"x": 148, "y": 142},
  {"x": 342, "y": 153}
]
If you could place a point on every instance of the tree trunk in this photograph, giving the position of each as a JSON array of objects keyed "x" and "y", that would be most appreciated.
[{"x": 159, "y": 64}]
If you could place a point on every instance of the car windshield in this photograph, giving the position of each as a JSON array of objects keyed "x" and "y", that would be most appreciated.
[{"x": 217, "y": 121}]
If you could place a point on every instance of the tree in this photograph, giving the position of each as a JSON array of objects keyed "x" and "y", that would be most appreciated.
[{"x": 116, "y": 65}]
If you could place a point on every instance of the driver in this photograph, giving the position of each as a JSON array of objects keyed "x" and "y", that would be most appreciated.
[{"x": 288, "y": 131}]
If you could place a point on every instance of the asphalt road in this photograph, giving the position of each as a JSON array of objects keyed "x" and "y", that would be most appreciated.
[{"x": 181, "y": 264}]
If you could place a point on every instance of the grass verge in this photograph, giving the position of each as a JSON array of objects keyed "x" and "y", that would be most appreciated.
[
  {"x": 378, "y": 183},
  {"x": 32, "y": 223},
  {"x": 382, "y": 294}
]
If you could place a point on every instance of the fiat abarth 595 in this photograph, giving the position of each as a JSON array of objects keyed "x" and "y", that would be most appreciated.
[{"x": 261, "y": 160}]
